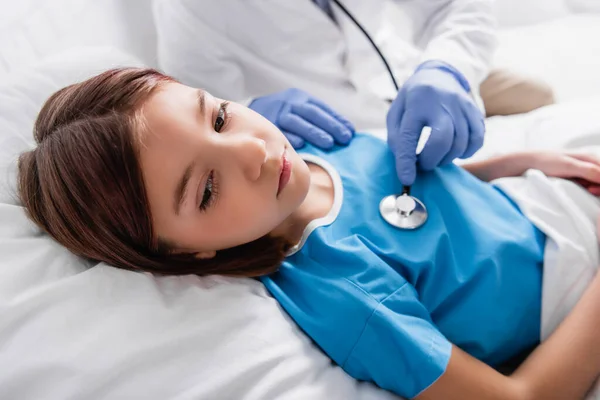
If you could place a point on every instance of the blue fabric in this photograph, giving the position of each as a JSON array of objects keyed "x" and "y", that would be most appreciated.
[{"x": 385, "y": 303}]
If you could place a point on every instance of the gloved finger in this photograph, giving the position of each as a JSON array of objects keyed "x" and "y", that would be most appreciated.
[
  {"x": 394, "y": 118},
  {"x": 405, "y": 146},
  {"x": 300, "y": 127},
  {"x": 331, "y": 111},
  {"x": 461, "y": 138},
  {"x": 476, "y": 122},
  {"x": 295, "y": 140},
  {"x": 439, "y": 143},
  {"x": 323, "y": 120}
]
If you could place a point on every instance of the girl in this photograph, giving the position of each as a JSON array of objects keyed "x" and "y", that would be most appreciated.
[{"x": 137, "y": 170}]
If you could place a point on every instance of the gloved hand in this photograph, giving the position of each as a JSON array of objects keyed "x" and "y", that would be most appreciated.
[
  {"x": 301, "y": 117},
  {"x": 436, "y": 95}
]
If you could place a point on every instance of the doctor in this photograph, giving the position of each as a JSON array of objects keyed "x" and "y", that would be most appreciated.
[{"x": 438, "y": 50}]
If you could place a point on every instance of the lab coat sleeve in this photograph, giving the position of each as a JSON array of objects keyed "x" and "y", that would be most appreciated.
[
  {"x": 193, "y": 47},
  {"x": 459, "y": 32}
]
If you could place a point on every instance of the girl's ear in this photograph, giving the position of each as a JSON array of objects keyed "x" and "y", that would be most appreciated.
[{"x": 201, "y": 255}]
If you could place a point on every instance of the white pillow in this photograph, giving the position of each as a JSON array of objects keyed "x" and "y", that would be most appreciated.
[
  {"x": 31, "y": 30},
  {"x": 69, "y": 330}
]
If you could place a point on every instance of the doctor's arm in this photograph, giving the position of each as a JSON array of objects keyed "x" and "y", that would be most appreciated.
[
  {"x": 458, "y": 41},
  {"x": 563, "y": 367},
  {"x": 461, "y": 33}
]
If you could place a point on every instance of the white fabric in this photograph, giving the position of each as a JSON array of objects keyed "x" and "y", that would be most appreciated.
[
  {"x": 511, "y": 13},
  {"x": 569, "y": 125},
  {"x": 248, "y": 49},
  {"x": 338, "y": 199},
  {"x": 69, "y": 331},
  {"x": 584, "y": 5}
]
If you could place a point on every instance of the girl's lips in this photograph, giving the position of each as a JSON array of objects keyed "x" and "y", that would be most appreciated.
[{"x": 286, "y": 171}]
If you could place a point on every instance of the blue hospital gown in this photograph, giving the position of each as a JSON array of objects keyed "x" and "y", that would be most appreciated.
[{"x": 384, "y": 303}]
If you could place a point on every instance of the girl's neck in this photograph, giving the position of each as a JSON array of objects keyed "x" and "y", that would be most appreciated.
[{"x": 317, "y": 204}]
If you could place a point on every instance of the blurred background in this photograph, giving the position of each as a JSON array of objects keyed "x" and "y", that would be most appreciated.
[{"x": 555, "y": 40}]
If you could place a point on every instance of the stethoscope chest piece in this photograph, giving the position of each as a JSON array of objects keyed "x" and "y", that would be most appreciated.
[{"x": 403, "y": 211}]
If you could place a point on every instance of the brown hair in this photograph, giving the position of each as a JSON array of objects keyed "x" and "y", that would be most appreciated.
[{"x": 83, "y": 183}]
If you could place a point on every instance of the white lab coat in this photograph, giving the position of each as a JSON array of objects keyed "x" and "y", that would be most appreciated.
[{"x": 238, "y": 49}]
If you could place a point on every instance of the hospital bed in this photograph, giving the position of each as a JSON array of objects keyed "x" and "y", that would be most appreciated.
[{"x": 68, "y": 331}]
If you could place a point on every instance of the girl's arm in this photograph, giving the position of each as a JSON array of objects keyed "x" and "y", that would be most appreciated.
[
  {"x": 580, "y": 167},
  {"x": 514, "y": 164},
  {"x": 563, "y": 367}
]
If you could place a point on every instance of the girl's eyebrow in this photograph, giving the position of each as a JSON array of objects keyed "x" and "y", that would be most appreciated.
[
  {"x": 201, "y": 98},
  {"x": 181, "y": 188}
]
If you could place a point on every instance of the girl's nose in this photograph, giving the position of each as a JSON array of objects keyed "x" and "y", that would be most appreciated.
[{"x": 251, "y": 153}]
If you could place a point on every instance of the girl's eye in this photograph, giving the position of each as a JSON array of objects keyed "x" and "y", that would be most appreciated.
[
  {"x": 210, "y": 192},
  {"x": 222, "y": 116}
]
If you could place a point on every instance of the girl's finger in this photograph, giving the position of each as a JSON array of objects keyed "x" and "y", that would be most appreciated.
[
  {"x": 583, "y": 182},
  {"x": 585, "y": 157},
  {"x": 584, "y": 169},
  {"x": 594, "y": 189}
]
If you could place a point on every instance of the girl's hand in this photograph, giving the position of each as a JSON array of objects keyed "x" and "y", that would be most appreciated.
[{"x": 581, "y": 168}]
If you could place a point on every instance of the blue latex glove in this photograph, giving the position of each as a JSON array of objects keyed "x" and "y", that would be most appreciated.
[
  {"x": 302, "y": 117},
  {"x": 436, "y": 95}
]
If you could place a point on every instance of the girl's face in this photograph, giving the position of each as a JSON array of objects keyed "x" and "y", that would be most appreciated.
[{"x": 212, "y": 171}]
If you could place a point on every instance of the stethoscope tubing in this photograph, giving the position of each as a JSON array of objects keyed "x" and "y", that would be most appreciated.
[{"x": 390, "y": 206}]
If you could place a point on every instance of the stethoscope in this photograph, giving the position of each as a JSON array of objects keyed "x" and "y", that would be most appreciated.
[{"x": 402, "y": 211}]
